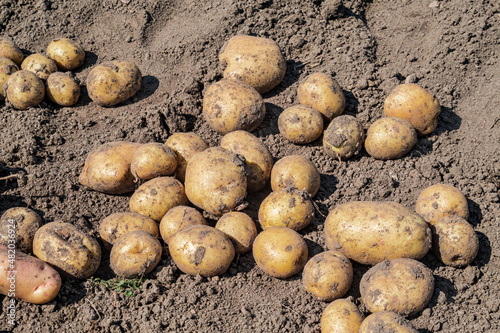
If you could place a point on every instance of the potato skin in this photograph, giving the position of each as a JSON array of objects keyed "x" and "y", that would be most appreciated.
[
  {"x": 26, "y": 223},
  {"x": 40, "y": 65},
  {"x": 344, "y": 137},
  {"x": 9, "y": 50},
  {"x": 341, "y": 315},
  {"x": 440, "y": 200},
  {"x": 153, "y": 160},
  {"x": 23, "y": 89},
  {"x": 66, "y": 53},
  {"x": 386, "y": 321},
  {"x": 323, "y": 93},
  {"x": 240, "y": 229},
  {"x": 113, "y": 227},
  {"x": 177, "y": 218},
  {"x": 300, "y": 124},
  {"x": 390, "y": 138},
  {"x": 185, "y": 145},
  {"x": 295, "y": 171},
  {"x": 370, "y": 232},
  {"x": 62, "y": 89},
  {"x": 7, "y": 67}
]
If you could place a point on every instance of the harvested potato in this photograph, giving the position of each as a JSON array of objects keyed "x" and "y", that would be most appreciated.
[
  {"x": 231, "y": 105},
  {"x": 185, "y": 145},
  {"x": 66, "y": 53},
  {"x": 153, "y": 160},
  {"x": 341, "y": 315},
  {"x": 200, "y": 249},
  {"x": 67, "y": 248},
  {"x": 113, "y": 82},
  {"x": 258, "y": 158},
  {"x": 240, "y": 228},
  {"x": 280, "y": 252},
  {"x": 256, "y": 61},
  {"x": 7, "y": 68},
  {"x": 10, "y": 51},
  {"x": 295, "y": 171},
  {"x": 157, "y": 196},
  {"x": 404, "y": 286},
  {"x": 344, "y": 137},
  {"x": 135, "y": 254},
  {"x": 18, "y": 226},
  {"x": 323, "y": 93},
  {"x": 62, "y": 89},
  {"x": 440, "y": 200},
  {"x": 40, "y": 65},
  {"x": 300, "y": 124},
  {"x": 107, "y": 168},
  {"x": 370, "y": 232},
  {"x": 113, "y": 227},
  {"x": 390, "y": 138},
  {"x": 414, "y": 104},
  {"x": 23, "y": 90},
  {"x": 178, "y": 218},
  {"x": 385, "y": 321},
  {"x": 216, "y": 180}
]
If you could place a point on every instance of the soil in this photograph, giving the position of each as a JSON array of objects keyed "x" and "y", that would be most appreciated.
[{"x": 449, "y": 47}]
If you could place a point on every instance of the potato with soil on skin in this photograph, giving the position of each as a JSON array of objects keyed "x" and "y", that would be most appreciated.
[
  {"x": 404, "y": 286},
  {"x": 386, "y": 321},
  {"x": 113, "y": 82},
  {"x": 40, "y": 65},
  {"x": 201, "y": 249},
  {"x": 240, "y": 229},
  {"x": 178, "y": 218},
  {"x": 341, "y": 315},
  {"x": 300, "y": 124},
  {"x": 440, "y": 200},
  {"x": 256, "y": 61},
  {"x": 258, "y": 158},
  {"x": 23, "y": 90},
  {"x": 66, "y": 53},
  {"x": 62, "y": 89},
  {"x": 153, "y": 160},
  {"x": 68, "y": 249},
  {"x": 113, "y": 227},
  {"x": 9, "y": 50},
  {"x": 7, "y": 68},
  {"x": 231, "y": 105},
  {"x": 390, "y": 138},
  {"x": 370, "y": 232},
  {"x": 344, "y": 137},
  {"x": 185, "y": 145},
  {"x": 295, "y": 171},
  {"x": 19, "y": 224}
]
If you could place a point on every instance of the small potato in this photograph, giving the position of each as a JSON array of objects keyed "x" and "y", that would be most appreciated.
[
  {"x": 256, "y": 61},
  {"x": 40, "y": 65},
  {"x": 240, "y": 228},
  {"x": 185, "y": 145},
  {"x": 157, "y": 196},
  {"x": 19, "y": 224},
  {"x": 23, "y": 90},
  {"x": 7, "y": 68},
  {"x": 68, "y": 249},
  {"x": 178, "y": 218},
  {"x": 200, "y": 249},
  {"x": 300, "y": 124},
  {"x": 66, "y": 53},
  {"x": 295, "y": 171},
  {"x": 390, "y": 138},
  {"x": 153, "y": 160},
  {"x": 62, "y": 89},
  {"x": 280, "y": 252},
  {"x": 323, "y": 93},
  {"x": 10, "y": 51},
  {"x": 231, "y": 105},
  {"x": 404, "y": 286},
  {"x": 113, "y": 82},
  {"x": 344, "y": 137},
  {"x": 414, "y": 104},
  {"x": 385, "y": 321},
  {"x": 341, "y": 316},
  {"x": 135, "y": 254},
  {"x": 113, "y": 227},
  {"x": 440, "y": 200},
  {"x": 258, "y": 158}
]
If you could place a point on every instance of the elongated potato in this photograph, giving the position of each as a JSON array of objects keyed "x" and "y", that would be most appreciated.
[
  {"x": 341, "y": 316},
  {"x": 178, "y": 218},
  {"x": 153, "y": 160},
  {"x": 323, "y": 93},
  {"x": 9, "y": 50},
  {"x": 390, "y": 138},
  {"x": 7, "y": 68},
  {"x": 295, "y": 171},
  {"x": 40, "y": 65},
  {"x": 344, "y": 137},
  {"x": 240, "y": 228},
  {"x": 20, "y": 225},
  {"x": 441, "y": 200},
  {"x": 113, "y": 227},
  {"x": 62, "y": 89},
  {"x": 385, "y": 321},
  {"x": 66, "y": 53},
  {"x": 300, "y": 124},
  {"x": 185, "y": 145},
  {"x": 23, "y": 89}
]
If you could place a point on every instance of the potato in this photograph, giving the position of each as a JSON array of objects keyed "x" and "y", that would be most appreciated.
[
  {"x": 23, "y": 90},
  {"x": 153, "y": 160},
  {"x": 67, "y": 248},
  {"x": 341, "y": 316},
  {"x": 256, "y": 61},
  {"x": 323, "y": 93},
  {"x": 454, "y": 241},
  {"x": 113, "y": 82},
  {"x": 7, "y": 67},
  {"x": 62, "y": 89},
  {"x": 240, "y": 229},
  {"x": 177, "y": 218},
  {"x": 390, "y": 138},
  {"x": 135, "y": 254},
  {"x": 404, "y": 286},
  {"x": 280, "y": 252},
  {"x": 414, "y": 104},
  {"x": 370, "y": 232},
  {"x": 440, "y": 200},
  {"x": 19, "y": 225},
  {"x": 157, "y": 196},
  {"x": 288, "y": 208},
  {"x": 200, "y": 249},
  {"x": 216, "y": 180},
  {"x": 113, "y": 227},
  {"x": 295, "y": 171},
  {"x": 27, "y": 278},
  {"x": 300, "y": 124},
  {"x": 10, "y": 51},
  {"x": 66, "y": 53},
  {"x": 40, "y": 65},
  {"x": 386, "y": 321},
  {"x": 185, "y": 145},
  {"x": 231, "y": 105},
  {"x": 107, "y": 168},
  {"x": 344, "y": 137}
]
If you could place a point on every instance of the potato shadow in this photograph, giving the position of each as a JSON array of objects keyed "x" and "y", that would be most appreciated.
[
  {"x": 352, "y": 104},
  {"x": 445, "y": 286},
  {"x": 447, "y": 121},
  {"x": 313, "y": 248},
  {"x": 358, "y": 271},
  {"x": 71, "y": 292},
  {"x": 328, "y": 187},
  {"x": 90, "y": 60},
  {"x": 149, "y": 85},
  {"x": 10, "y": 201},
  {"x": 484, "y": 254},
  {"x": 293, "y": 71},
  {"x": 270, "y": 123},
  {"x": 475, "y": 213}
]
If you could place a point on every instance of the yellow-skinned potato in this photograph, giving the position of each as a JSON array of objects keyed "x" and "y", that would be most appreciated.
[
  {"x": 19, "y": 224},
  {"x": 66, "y": 53},
  {"x": 300, "y": 124},
  {"x": 323, "y": 93},
  {"x": 178, "y": 218},
  {"x": 240, "y": 228},
  {"x": 390, "y": 138},
  {"x": 68, "y": 249},
  {"x": 7, "y": 68},
  {"x": 201, "y": 249},
  {"x": 157, "y": 196},
  {"x": 280, "y": 252},
  {"x": 231, "y": 105},
  {"x": 10, "y": 51},
  {"x": 295, "y": 171},
  {"x": 256, "y": 61},
  {"x": 440, "y": 200},
  {"x": 113, "y": 82},
  {"x": 113, "y": 227},
  {"x": 370, "y": 232},
  {"x": 62, "y": 89},
  {"x": 258, "y": 158},
  {"x": 23, "y": 89},
  {"x": 185, "y": 145},
  {"x": 344, "y": 137},
  {"x": 414, "y": 104},
  {"x": 404, "y": 286},
  {"x": 385, "y": 321},
  {"x": 153, "y": 160},
  {"x": 40, "y": 65},
  {"x": 341, "y": 315},
  {"x": 135, "y": 254}
]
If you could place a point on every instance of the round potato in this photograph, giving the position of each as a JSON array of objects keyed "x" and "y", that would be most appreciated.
[
  {"x": 19, "y": 224},
  {"x": 385, "y": 321},
  {"x": 66, "y": 53},
  {"x": 390, "y": 138},
  {"x": 404, "y": 286},
  {"x": 68, "y": 249},
  {"x": 414, "y": 104},
  {"x": 7, "y": 68},
  {"x": 323, "y": 93},
  {"x": 341, "y": 315},
  {"x": 113, "y": 227},
  {"x": 300, "y": 124},
  {"x": 200, "y": 249},
  {"x": 280, "y": 252},
  {"x": 231, "y": 105},
  {"x": 185, "y": 145},
  {"x": 256, "y": 61},
  {"x": 153, "y": 160},
  {"x": 113, "y": 82},
  {"x": 440, "y": 200},
  {"x": 23, "y": 90},
  {"x": 62, "y": 89},
  {"x": 10, "y": 51},
  {"x": 40, "y": 65},
  {"x": 240, "y": 228},
  {"x": 295, "y": 171},
  {"x": 344, "y": 137},
  {"x": 178, "y": 218}
]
